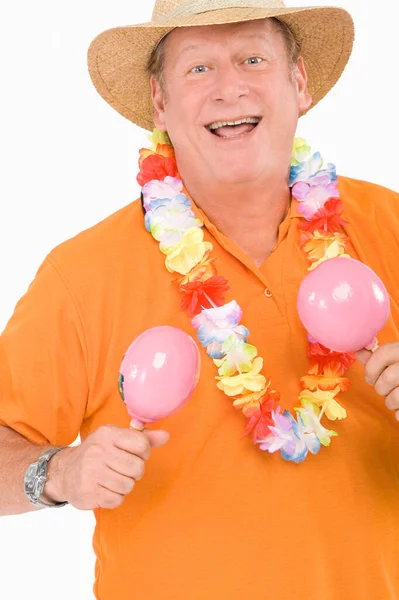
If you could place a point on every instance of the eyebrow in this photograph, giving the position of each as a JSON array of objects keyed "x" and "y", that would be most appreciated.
[
  {"x": 255, "y": 36},
  {"x": 192, "y": 47},
  {"x": 250, "y": 36}
]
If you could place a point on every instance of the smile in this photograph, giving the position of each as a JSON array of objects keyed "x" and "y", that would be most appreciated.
[{"x": 233, "y": 128}]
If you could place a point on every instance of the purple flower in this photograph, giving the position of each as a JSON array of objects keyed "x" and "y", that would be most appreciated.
[
  {"x": 312, "y": 195},
  {"x": 290, "y": 437}
]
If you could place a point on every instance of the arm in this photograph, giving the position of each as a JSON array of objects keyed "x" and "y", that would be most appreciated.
[
  {"x": 44, "y": 392},
  {"x": 98, "y": 473},
  {"x": 16, "y": 454}
]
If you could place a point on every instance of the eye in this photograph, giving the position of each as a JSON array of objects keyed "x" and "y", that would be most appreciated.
[
  {"x": 199, "y": 69},
  {"x": 254, "y": 60}
]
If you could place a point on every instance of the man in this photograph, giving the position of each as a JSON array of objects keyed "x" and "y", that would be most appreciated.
[{"x": 215, "y": 516}]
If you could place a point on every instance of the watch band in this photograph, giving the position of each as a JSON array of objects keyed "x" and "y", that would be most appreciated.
[{"x": 36, "y": 477}]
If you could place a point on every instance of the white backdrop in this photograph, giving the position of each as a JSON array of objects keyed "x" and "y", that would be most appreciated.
[{"x": 68, "y": 160}]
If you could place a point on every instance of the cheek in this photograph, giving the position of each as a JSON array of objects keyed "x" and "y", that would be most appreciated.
[
  {"x": 280, "y": 94},
  {"x": 178, "y": 113},
  {"x": 282, "y": 111},
  {"x": 183, "y": 119}
]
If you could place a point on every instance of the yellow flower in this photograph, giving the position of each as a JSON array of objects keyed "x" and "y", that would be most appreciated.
[
  {"x": 333, "y": 409},
  {"x": 332, "y": 251},
  {"x": 252, "y": 381},
  {"x": 320, "y": 246},
  {"x": 300, "y": 151},
  {"x": 314, "y": 244},
  {"x": 188, "y": 253},
  {"x": 251, "y": 400},
  {"x": 158, "y": 137},
  {"x": 203, "y": 271}
]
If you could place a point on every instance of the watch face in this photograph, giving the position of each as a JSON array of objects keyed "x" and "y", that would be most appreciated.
[
  {"x": 30, "y": 479},
  {"x": 34, "y": 482},
  {"x": 30, "y": 486}
]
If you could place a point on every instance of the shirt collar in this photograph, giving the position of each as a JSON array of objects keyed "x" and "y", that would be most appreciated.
[{"x": 293, "y": 213}]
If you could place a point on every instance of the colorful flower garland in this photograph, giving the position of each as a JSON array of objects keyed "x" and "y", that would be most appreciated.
[{"x": 173, "y": 224}]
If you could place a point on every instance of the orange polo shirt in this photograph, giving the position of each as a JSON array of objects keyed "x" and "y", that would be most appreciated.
[{"x": 214, "y": 518}]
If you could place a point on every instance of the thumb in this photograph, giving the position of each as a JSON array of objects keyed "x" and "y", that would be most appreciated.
[
  {"x": 157, "y": 438},
  {"x": 363, "y": 356}
]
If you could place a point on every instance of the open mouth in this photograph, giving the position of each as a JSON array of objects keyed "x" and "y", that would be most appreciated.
[{"x": 233, "y": 129}]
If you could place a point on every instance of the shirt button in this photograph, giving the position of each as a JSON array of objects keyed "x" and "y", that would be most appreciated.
[{"x": 268, "y": 293}]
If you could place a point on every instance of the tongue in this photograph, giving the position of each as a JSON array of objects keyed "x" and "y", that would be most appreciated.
[{"x": 233, "y": 130}]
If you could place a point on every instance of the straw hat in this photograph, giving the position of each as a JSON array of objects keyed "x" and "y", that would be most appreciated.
[{"x": 118, "y": 57}]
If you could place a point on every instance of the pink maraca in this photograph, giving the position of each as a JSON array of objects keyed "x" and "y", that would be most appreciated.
[
  {"x": 158, "y": 374},
  {"x": 343, "y": 304}
]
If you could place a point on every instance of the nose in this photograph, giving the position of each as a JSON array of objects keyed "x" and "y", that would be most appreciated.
[{"x": 229, "y": 86}]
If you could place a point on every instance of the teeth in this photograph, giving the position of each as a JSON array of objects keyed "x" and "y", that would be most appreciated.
[{"x": 224, "y": 123}]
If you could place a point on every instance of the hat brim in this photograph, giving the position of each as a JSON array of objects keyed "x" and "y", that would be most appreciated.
[{"x": 118, "y": 57}]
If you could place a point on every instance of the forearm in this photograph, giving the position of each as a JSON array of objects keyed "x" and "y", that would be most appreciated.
[{"x": 16, "y": 454}]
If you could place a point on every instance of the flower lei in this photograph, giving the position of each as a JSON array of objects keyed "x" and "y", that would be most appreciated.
[{"x": 173, "y": 224}]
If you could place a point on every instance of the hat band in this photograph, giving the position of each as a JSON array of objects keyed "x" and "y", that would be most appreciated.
[{"x": 195, "y": 8}]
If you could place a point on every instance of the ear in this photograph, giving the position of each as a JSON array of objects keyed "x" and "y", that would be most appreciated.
[
  {"x": 301, "y": 78},
  {"x": 158, "y": 102}
]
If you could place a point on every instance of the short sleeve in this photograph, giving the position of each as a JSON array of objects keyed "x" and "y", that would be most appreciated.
[{"x": 43, "y": 359}]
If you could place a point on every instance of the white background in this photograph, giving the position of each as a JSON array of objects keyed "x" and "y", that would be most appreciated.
[{"x": 68, "y": 160}]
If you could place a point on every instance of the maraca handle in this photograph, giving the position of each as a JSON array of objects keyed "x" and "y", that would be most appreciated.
[
  {"x": 373, "y": 346},
  {"x": 137, "y": 425}
]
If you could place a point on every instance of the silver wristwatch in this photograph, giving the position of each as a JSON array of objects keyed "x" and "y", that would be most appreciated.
[{"x": 36, "y": 477}]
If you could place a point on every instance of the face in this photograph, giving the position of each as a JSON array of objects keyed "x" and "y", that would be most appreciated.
[{"x": 237, "y": 74}]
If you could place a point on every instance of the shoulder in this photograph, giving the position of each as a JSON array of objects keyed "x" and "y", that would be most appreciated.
[
  {"x": 368, "y": 200},
  {"x": 116, "y": 230},
  {"x": 109, "y": 259},
  {"x": 372, "y": 215},
  {"x": 109, "y": 268},
  {"x": 118, "y": 239}
]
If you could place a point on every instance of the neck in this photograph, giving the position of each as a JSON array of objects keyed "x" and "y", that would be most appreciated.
[{"x": 248, "y": 214}]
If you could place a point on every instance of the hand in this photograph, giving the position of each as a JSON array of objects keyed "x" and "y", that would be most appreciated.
[
  {"x": 382, "y": 372},
  {"x": 103, "y": 469}
]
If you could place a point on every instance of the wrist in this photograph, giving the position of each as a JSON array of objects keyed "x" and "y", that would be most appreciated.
[{"x": 53, "y": 490}]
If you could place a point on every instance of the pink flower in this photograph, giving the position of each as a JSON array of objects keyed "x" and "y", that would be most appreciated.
[
  {"x": 156, "y": 190},
  {"x": 313, "y": 195},
  {"x": 328, "y": 217}
]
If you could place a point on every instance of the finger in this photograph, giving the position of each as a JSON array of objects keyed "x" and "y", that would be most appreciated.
[
  {"x": 126, "y": 464},
  {"x": 115, "y": 482},
  {"x": 388, "y": 380},
  {"x": 397, "y": 415},
  {"x": 108, "y": 499},
  {"x": 392, "y": 400},
  {"x": 134, "y": 442},
  {"x": 157, "y": 438},
  {"x": 363, "y": 356},
  {"x": 383, "y": 357}
]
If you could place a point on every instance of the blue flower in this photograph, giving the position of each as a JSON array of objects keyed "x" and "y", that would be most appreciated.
[
  {"x": 215, "y": 325},
  {"x": 293, "y": 438},
  {"x": 161, "y": 206}
]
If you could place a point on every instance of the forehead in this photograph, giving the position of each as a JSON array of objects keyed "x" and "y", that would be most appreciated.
[{"x": 183, "y": 37}]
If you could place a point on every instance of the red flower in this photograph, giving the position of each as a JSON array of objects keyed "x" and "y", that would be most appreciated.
[
  {"x": 328, "y": 218},
  {"x": 162, "y": 150},
  {"x": 321, "y": 365},
  {"x": 156, "y": 167},
  {"x": 261, "y": 418},
  {"x": 197, "y": 294},
  {"x": 322, "y": 357}
]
